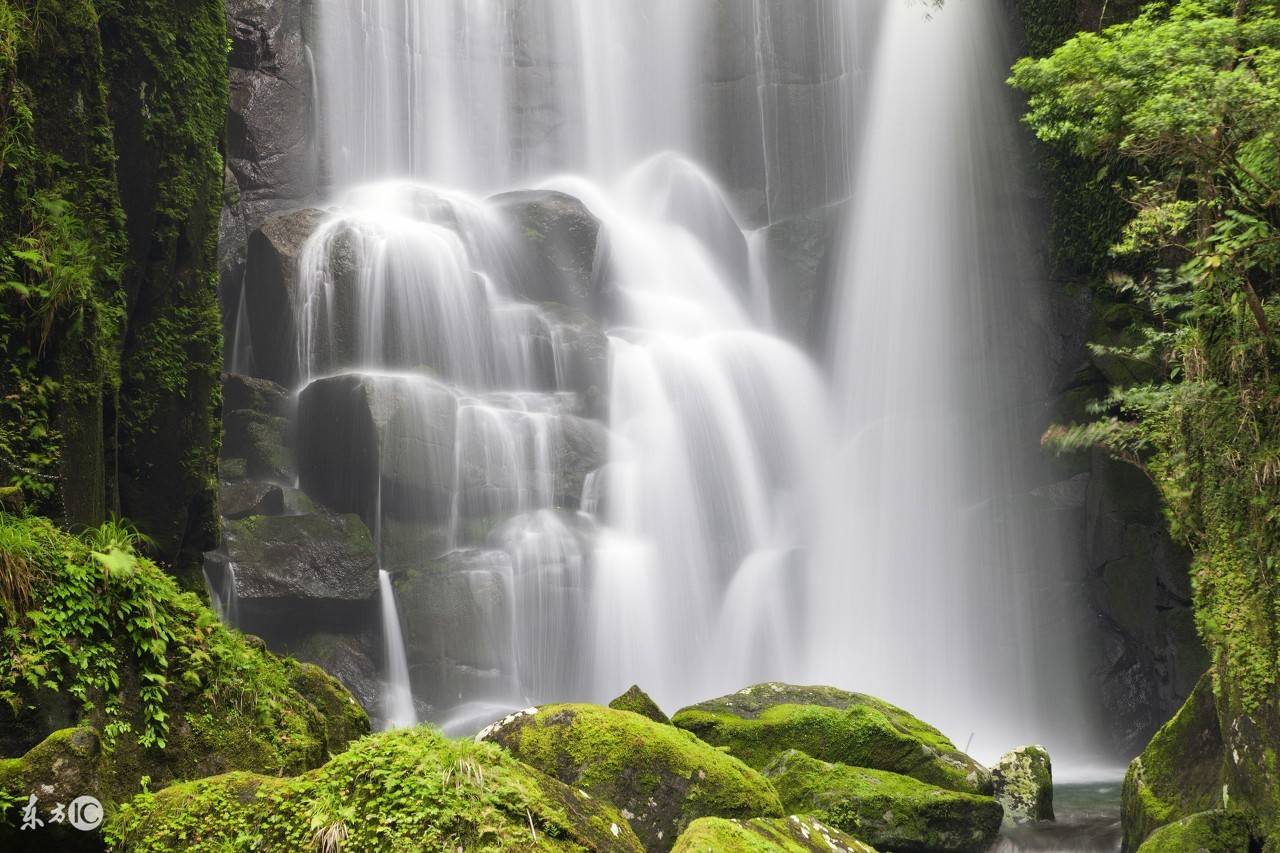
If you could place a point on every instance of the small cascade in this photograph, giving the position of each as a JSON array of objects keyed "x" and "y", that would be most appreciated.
[{"x": 398, "y": 702}]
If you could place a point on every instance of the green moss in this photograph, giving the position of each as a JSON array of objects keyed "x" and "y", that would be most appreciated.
[
  {"x": 401, "y": 791},
  {"x": 171, "y": 693},
  {"x": 796, "y": 834},
  {"x": 637, "y": 701},
  {"x": 661, "y": 777},
  {"x": 761, "y": 722},
  {"x": 1212, "y": 831},
  {"x": 1023, "y": 782},
  {"x": 1179, "y": 773},
  {"x": 885, "y": 809}
]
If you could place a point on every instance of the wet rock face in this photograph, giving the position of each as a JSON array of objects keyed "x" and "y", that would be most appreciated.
[
  {"x": 271, "y": 162},
  {"x": 1139, "y": 582},
  {"x": 300, "y": 569},
  {"x": 1023, "y": 781},
  {"x": 273, "y": 250},
  {"x": 560, "y": 241},
  {"x": 396, "y": 439}
]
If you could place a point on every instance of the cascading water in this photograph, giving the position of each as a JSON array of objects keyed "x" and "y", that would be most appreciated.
[
  {"x": 399, "y": 711},
  {"x": 938, "y": 377},
  {"x": 709, "y": 508}
]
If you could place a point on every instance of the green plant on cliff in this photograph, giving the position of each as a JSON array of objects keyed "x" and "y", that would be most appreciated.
[
  {"x": 1181, "y": 107},
  {"x": 103, "y": 625}
]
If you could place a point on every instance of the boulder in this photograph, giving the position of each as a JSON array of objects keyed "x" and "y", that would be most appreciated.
[
  {"x": 1216, "y": 831},
  {"x": 1180, "y": 773},
  {"x": 560, "y": 245},
  {"x": 354, "y": 659},
  {"x": 446, "y": 795},
  {"x": 262, "y": 441},
  {"x": 1023, "y": 783},
  {"x": 251, "y": 497},
  {"x": 259, "y": 395},
  {"x": 660, "y": 778},
  {"x": 270, "y": 285},
  {"x": 457, "y": 613},
  {"x": 760, "y": 722},
  {"x": 637, "y": 701},
  {"x": 378, "y": 441},
  {"x": 887, "y": 810},
  {"x": 795, "y": 834},
  {"x": 288, "y": 569}
]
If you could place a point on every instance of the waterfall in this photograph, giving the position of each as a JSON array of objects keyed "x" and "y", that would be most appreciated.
[
  {"x": 590, "y": 457},
  {"x": 398, "y": 703},
  {"x": 959, "y": 593}
]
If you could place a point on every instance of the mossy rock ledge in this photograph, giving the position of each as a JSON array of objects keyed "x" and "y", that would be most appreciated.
[
  {"x": 795, "y": 834},
  {"x": 1216, "y": 831},
  {"x": 405, "y": 790},
  {"x": 1180, "y": 773},
  {"x": 887, "y": 810},
  {"x": 659, "y": 777},
  {"x": 759, "y": 723}
]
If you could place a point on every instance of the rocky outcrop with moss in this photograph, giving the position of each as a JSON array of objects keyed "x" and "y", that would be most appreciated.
[
  {"x": 1212, "y": 830},
  {"x": 795, "y": 834},
  {"x": 108, "y": 310},
  {"x": 1023, "y": 782},
  {"x": 887, "y": 810},
  {"x": 1180, "y": 773},
  {"x": 638, "y": 702},
  {"x": 112, "y": 675},
  {"x": 406, "y": 790},
  {"x": 759, "y": 723},
  {"x": 661, "y": 778}
]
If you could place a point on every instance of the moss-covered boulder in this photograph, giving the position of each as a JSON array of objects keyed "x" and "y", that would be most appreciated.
[
  {"x": 887, "y": 810},
  {"x": 404, "y": 790},
  {"x": 637, "y": 701},
  {"x": 1023, "y": 780},
  {"x": 166, "y": 692},
  {"x": 661, "y": 778},
  {"x": 1179, "y": 774},
  {"x": 795, "y": 834},
  {"x": 1215, "y": 831},
  {"x": 761, "y": 722}
]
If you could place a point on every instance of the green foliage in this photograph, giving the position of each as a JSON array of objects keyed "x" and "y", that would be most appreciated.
[
  {"x": 1182, "y": 108},
  {"x": 111, "y": 630},
  {"x": 401, "y": 791}
]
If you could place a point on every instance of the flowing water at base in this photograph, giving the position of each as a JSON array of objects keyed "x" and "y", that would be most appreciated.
[{"x": 1088, "y": 821}]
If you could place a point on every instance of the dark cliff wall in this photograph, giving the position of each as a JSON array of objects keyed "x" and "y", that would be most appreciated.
[{"x": 109, "y": 197}]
